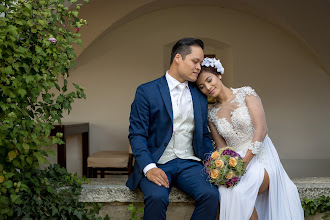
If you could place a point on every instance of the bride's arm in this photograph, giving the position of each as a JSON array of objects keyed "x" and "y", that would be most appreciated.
[
  {"x": 219, "y": 141},
  {"x": 259, "y": 121}
]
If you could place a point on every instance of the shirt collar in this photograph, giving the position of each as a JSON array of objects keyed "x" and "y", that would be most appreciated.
[{"x": 172, "y": 83}]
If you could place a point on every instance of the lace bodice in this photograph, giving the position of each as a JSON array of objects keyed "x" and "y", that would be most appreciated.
[{"x": 232, "y": 119}]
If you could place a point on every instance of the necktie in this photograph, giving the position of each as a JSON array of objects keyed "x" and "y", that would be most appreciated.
[{"x": 183, "y": 100}]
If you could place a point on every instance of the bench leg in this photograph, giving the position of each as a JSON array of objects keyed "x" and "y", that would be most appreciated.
[
  {"x": 94, "y": 172},
  {"x": 89, "y": 172}
]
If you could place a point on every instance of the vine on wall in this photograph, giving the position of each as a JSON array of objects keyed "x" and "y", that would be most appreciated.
[{"x": 36, "y": 54}]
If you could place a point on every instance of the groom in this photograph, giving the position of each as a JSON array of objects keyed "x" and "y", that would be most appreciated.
[{"x": 169, "y": 136}]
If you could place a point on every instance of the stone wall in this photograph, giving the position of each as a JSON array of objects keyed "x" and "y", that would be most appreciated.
[{"x": 116, "y": 197}]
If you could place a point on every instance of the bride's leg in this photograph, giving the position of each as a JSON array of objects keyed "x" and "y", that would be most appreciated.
[
  {"x": 254, "y": 215},
  {"x": 264, "y": 187},
  {"x": 265, "y": 184}
]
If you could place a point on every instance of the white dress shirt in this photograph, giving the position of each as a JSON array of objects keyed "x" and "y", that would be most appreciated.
[{"x": 175, "y": 91}]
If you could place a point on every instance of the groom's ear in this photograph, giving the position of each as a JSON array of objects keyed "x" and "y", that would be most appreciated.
[{"x": 177, "y": 58}]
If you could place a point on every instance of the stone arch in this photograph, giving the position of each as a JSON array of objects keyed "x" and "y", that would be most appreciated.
[{"x": 291, "y": 19}]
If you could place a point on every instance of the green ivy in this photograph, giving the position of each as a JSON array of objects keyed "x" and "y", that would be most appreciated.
[
  {"x": 36, "y": 54},
  {"x": 320, "y": 204},
  {"x": 135, "y": 212},
  {"x": 52, "y": 193}
]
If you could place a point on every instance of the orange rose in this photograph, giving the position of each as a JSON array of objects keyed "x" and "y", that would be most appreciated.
[
  {"x": 230, "y": 175},
  {"x": 219, "y": 163},
  {"x": 215, "y": 174},
  {"x": 215, "y": 155},
  {"x": 232, "y": 162}
]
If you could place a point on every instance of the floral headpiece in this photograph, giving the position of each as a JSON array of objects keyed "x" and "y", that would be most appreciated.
[{"x": 213, "y": 63}]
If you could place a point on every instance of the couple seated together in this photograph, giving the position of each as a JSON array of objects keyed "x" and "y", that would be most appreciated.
[{"x": 169, "y": 135}]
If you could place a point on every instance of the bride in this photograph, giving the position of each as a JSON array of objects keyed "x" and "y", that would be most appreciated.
[{"x": 238, "y": 120}]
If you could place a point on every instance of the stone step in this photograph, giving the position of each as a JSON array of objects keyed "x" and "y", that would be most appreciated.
[{"x": 116, "y": 197}]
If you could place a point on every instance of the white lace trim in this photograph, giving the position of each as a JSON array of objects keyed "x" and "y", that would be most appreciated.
[
  {"x": 242, "y": 93},
  {"x": 256, "y": 147},
  {"x": 259, "y": 151}
]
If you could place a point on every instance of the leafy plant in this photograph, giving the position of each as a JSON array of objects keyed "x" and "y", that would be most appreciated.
[
  {"x": 36, "y": 54},
  {"x": 134, "y": 212},
  {"x": 320, "y": 204},
  {"x": 53, "y": 193}
]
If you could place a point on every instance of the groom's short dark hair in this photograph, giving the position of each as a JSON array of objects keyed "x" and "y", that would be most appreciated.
[{"x": 182, "y": 47}]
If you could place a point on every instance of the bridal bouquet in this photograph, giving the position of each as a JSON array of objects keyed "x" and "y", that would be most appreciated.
[{"x": 225, "y": 167}]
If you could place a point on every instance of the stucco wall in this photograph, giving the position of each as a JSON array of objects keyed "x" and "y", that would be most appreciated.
[{"x": 294, "y": 88}]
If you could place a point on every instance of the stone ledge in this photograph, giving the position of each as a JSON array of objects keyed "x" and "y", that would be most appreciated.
[
  {"x": 113, "y": 189},
  {"x": 312, "y": 187}
]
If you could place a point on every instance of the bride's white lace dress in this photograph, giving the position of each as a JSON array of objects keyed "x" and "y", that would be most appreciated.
[{"x": 237, "y": 127}]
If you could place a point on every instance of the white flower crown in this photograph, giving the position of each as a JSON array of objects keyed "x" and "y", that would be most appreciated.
[{"x": 213, "y": 63}]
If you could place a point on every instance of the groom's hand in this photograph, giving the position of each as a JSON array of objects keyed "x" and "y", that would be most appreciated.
[{"x": 158, "y": 176}]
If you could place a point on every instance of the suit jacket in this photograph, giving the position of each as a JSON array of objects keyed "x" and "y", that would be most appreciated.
[{"x": 151, "y": 125}]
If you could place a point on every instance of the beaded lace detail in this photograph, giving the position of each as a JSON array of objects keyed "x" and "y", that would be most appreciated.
[
  {"x": 234, "y": 123},
  {"x": 255, "y": 147},
  {"x": 258, "y": 150}
]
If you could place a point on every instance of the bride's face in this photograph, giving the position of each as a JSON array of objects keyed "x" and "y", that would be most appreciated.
[{"x": 209, "y": 84}]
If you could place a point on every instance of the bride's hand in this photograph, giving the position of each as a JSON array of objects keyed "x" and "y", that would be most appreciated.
[
  {"x": 246, "y": 162},
  {"x": 248, "y": 157}
]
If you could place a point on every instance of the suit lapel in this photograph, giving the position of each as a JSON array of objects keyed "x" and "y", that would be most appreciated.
[
  {"x": 197, "y": 117},
  {"x": 196, "y": 105},
  {"x": 165, "y": 93}
]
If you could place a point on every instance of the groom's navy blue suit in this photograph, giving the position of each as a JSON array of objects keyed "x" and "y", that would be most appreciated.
[{"x": 151, "y": 128}]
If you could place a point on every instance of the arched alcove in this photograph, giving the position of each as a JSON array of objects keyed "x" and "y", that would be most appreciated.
[
  {"x": 254, "y": 52},
  {"x": 309, "y": 25}
]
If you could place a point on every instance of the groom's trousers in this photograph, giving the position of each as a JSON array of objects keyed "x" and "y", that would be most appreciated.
[{"x": 188, "y": 176}]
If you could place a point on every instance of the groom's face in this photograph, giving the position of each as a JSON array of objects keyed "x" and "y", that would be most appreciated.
[{"x": 189, "y": 68}]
